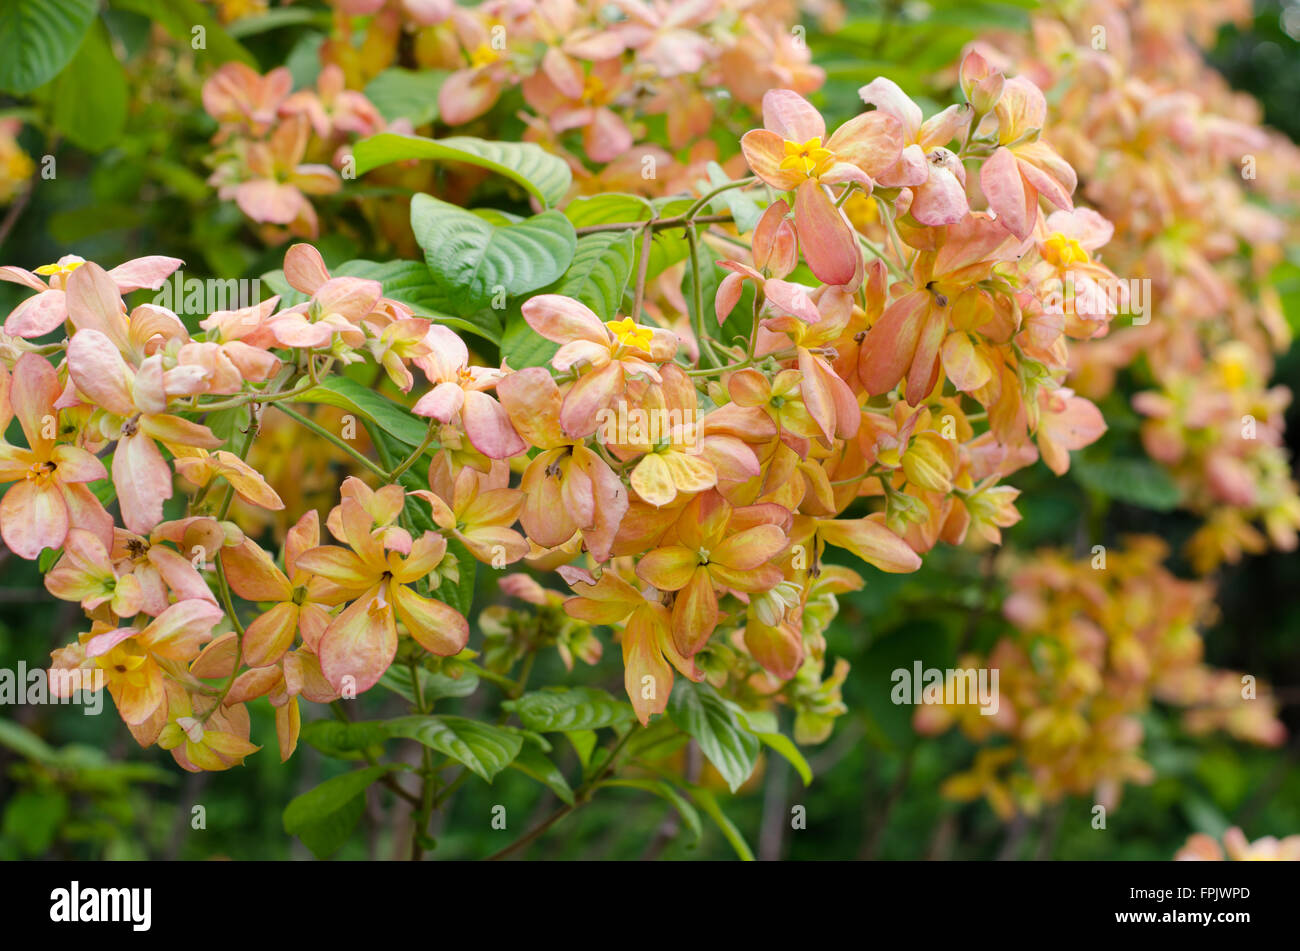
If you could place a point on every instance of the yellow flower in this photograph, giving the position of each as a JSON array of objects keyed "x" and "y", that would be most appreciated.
[
  {"x": 630, "y": 335},
  {"x": 808, "y": 157},
  {"x": 1063, "y": 251}
]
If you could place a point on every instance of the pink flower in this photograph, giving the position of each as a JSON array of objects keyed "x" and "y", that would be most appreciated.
[
  {"x": 935, "y": 175},
  {"x": 273, "y": 184},
  {"x": 611, "y": 351},
  {"x": 49, "y": 496},
  {"x": 570, "y": 100},
  {"x": 1021, "y": 170},
  {"x": 459, "y": 388},
  {"x": 237, "y": 95},
  {"x": 134, "y": 404},
  {"x": 1065, "y": 422},
  {"x": 48, "y": 309}
]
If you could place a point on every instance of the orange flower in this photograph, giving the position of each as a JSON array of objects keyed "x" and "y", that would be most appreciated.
[
  {"x": 648, "y": 643},
  {"x": 378, "y": 570},
  {"x": 717, "y": 548}
]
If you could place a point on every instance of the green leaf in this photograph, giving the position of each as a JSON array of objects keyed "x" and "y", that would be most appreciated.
[
  {"x": 484, "y": 749},
  {"x": 342, "y": 740},
  {"x": 544, "y": 175},
  {"x": 729, "y": 746},
  {"x": 522, "y": 346},
  {"x": 584, "y": 741},
  {"x": 664, "y": 791},
  {"x": 407, "y": 94},
  {"x": 659, "y": 740},
  {"x": 570, "y": 708},
  {"x": 598, "y": 275},
  {"x": 782, "y": 744},
  {"x": 744, "y": 209},
  {"x": 32, "y": 819},
  {"x": 533, "y": 762},
  {"x": 764, "y": 725},
  {"x": 709, "y": 803},
  {"x": 1136, "y": 481},
  {"x": 351, "y": 396},
  {"x": 473, "y": 261},
  {"x": 667, "y": 246},
  {"x": 38, "y": 38},
  {"x": 90, "y": 96},
  {"x": 180, "y": 17},
  {"x": 325, "y": 816},
  {"x": 24, "y": 742},
  {"x": 607, "y": 210},
  {"x": 277, "y": 18},
  {"x": 710, "y": 277},
  {"x": 434, "y": 686}
]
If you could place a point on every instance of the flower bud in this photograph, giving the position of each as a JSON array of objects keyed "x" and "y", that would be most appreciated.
[
  {"x": 929, "y": 462},
  {"x": 776, "y": 250},
  {"x": 981, "y": 83}
]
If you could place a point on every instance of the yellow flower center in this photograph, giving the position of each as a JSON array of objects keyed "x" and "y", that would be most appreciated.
[
  {"x": 123, "y": 661},
  {"x": 483, "y": 55},
  {"x": 809, "y": 157},
  {"x": 593, "y": 90},
  {"x": 628, "y": 334},
  {"x": 41, "y": 472},
  {"x": 1233, "y": 373},
  {"x": 66, "y": 267},
  {"x": 1063, "y": 251}
]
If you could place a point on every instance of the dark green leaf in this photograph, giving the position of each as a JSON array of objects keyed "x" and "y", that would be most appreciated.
[
  {"x": 351, "y": 396},
  {"x": 433, "y": 686},
  {"x": 570, "y": 708},
  {"x": 38, "y": 38},
  {"x": 598, "y": 275},
  {"x": 709, "y": 803},
  {"x": 324, "y": 817},
  {"x": 724, "y": 740},
  {"x": 474, "y": 262},
  {"x": 533, "y": 762},
  {"x": 90, "y": 96},
  {"x": 1135, "y": 481},
  {"x": 342, "y": 740},
  {"x": 484, "y": 749},
  {"x": 180, "y": 18}
]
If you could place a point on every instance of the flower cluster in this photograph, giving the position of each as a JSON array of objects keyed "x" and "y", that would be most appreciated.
[
  {"x": 886, "y": 372},
  {"x": 1096, "y": 641},
  {"x": 16, "y": 165},
  {"x": 595, "y": 79},
  {"x": 1199, "y": 194},
  {"x": 276, "y": 147},
  {"x": 1204, "y": 848}
]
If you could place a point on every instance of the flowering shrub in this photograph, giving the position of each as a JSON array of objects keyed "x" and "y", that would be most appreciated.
[
  {"x": 1092, "y": 649},
  {"x": 590, "y": 336},
  {"x": 1200, "y": 213}
]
